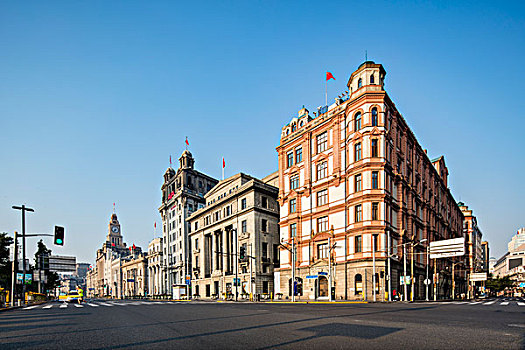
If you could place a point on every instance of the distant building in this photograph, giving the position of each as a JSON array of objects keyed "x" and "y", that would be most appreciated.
[
  {"x": 182, "y": 194},
  {"x": 235, "y": 236},
  {"x": 486, "y": 256},
  {"x": 473, "y": 240},
  {"x": 155, "y": 268},
  {"x": 517, "y": 240},
  {"x": 135, "y": 277}
]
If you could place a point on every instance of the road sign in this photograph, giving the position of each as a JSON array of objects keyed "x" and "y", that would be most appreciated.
[
  {"x": 427, "y": 281},
  {"x": 447, "y": 248},
  {"x": 311, "y": 276},
  {"x": 405, "y": 280},
  {"x": 130, "y": 280},
  {"x": 481, "y": 276}
]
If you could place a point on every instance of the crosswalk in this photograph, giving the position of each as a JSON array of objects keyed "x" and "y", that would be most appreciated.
[
  {"x": 93, "y": 304},
  {"x": 488, "y": 302}
]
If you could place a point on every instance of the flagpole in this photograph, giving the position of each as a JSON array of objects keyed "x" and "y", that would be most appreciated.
[{"x": 326, "y": 93}]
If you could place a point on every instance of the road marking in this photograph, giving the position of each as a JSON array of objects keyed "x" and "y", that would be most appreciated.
[
  {"x": 30, "y": 307},
  {"x": 521, "y": 304},
  {"x": 78, "y": 305},
  {"x": 105, "y": 304},
  {"x": 447, "y": 302},
  {"x": 48, "y": 306},
  {"x": 517, "y": 325},
  {"x": 63, "y": 306},
  {"x": 145, "y": 303},
  {"x": 93, "y": 305},
  {"x": 490, "y": 302},
  {"x": 460, "y": 302},
  {"x": 169, "y": 302},
  {"x": 476, "y": 302},
  {"x": 504, "y": 303},
  {"x": 117, "y": 304}
]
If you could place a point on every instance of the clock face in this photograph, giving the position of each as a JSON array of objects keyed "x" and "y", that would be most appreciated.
[{"x": 114, "y": 229}]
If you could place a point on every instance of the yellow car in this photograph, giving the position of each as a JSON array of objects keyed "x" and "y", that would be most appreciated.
[{"x": 71, "y": 296}]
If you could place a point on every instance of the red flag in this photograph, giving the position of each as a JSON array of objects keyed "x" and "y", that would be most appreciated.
[
  {"x": 133, "y": 246},
  {"x": 170, "y": 159},
  {"x": 187, "y": 142},
  {"x": 130, "y": 249},
  {"x": 329, "y": 76},
  {"x": 155, "y": 225},
  {"x": 112, "y": 244},
  {"x": 223, "y": 163}
]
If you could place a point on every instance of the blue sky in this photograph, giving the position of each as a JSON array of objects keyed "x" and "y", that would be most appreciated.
[{"x": 95, "y": 96}]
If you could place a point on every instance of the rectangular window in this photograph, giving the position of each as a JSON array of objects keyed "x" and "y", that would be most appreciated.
[
  {"x": 357, "y": 152},
  {"x": 358, "y": 213},
  {"x": 321, "y": 170},
  {"x": 322, "y": 197},
  {"x": 374, "y": 243},
  {"x": 264, "y": 202},
  {"x": 375, "y": 209},
  {"x": 264, "y": 225},
  {"x": 293, "y": 205},
  {"x": 358, "y": 244},
  {"x": 322, "y": 224},
  {"x": 322, "y": 251},
  {"x": 294, "y": 182},
  {"x": 289, "y": 159},
  {"x": 244, "y": 226},
  {"x": 322, "y": 142},
  {"x": 375, "y": 175},
  {"x": 358, "y": 183},
  {"x": 298, "y": 155},
  {"x": 293, "y": 230},
  {"x": 375, "y": 148},
  {"x": 243, "y": 203}
]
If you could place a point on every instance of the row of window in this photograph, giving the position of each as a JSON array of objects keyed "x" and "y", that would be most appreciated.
[{"x": 321, "y": 199}]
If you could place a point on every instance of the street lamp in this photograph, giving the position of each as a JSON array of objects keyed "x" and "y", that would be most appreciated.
[
  {"x": 412, "y": 268},
  {"x": 292, "y": 250}
]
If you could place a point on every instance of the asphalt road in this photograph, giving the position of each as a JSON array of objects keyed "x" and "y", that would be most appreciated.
[{"x": 490, "y": 324}]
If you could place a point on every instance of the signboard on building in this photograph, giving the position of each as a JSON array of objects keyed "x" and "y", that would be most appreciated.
[
  {"x": 482, "y": 276},
  {"x": 447, "y": 248},
  {"x": 405, "y": 280},
  {"x": 323, "y": 273},
  {"x": 60, "y": 263},
  {"x": 311, "y": 276}
]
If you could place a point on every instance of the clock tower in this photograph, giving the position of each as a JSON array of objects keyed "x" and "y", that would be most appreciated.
[{"x": 114, "y": 237}]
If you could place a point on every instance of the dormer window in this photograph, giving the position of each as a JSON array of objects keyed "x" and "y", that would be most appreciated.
[
  {"x": 372, "y": 80},
  {"x": 294, "y": 127},
  {"x": 359, "y": 83}
]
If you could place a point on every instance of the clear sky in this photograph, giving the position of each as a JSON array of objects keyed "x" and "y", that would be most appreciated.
[{"x": 96, "y": 95}]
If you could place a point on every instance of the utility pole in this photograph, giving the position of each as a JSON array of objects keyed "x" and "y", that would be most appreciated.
[
  {"x": 330, "y": 269},
  {"x": 23, "y": 208},
  {"x": 436, "y": 279},
  {"x": 374, "y": 267},
  {"x": 14, "y": 271},
  {"x": 412, "y": 273},
  {"x": 426, "y": 279},
  {"x": 405, "y": 272},
  {"x": 389, "y": 272}
]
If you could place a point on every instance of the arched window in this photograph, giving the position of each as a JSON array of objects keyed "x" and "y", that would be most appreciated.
[
  {"x": 359, "y": 83},
  {"x": 358, "y": 284},
  {"x": 372, "y": 80},
  {"x": 374, "y": 116},
  {"x": 357, "y": 121},
  {"x": 293, "y": 127}
]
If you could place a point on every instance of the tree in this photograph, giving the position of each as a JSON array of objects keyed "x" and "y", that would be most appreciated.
[
  {"x": 499, "y": 284},
  {"x": 5, "y": 265}
]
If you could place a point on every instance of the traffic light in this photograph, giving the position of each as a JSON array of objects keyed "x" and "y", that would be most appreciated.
[
  {"x": 59, "y": 235},
  {"x": 242, "y": 253}
]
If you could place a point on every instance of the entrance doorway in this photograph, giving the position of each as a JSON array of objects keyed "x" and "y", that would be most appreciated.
[{"x": 323, "y": 286}]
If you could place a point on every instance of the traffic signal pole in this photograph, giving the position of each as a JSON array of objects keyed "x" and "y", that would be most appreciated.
[
  {"x": 15, "y": 269},
  {"x": 23, "y": 208}
]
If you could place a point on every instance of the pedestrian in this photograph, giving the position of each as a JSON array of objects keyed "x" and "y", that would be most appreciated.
[{"x": 80, "y": 294}]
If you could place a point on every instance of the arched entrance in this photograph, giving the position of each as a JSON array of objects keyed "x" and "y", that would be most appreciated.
[{"x": 323, "y": 286}]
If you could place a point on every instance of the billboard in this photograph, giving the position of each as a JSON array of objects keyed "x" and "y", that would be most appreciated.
[
  {"x": 60, "y": 263},
  {"x": 482, "y": 276},
  {"x": 447, "y": 248}
]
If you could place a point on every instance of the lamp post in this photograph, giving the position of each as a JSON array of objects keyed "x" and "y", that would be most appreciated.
[
  {"x": 412, "y": 268},
  {"x": 23, "y": 208},
  {"x": 453, "y": 280}
]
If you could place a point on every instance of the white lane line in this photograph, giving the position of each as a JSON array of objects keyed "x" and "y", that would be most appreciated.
[
  {"x": 78, "y": 305},
  {"x": 48, "y": 306},
  {"x": 521, "y": 304},
  {"x": 105, "y": 304},
  {"x": 490, "y": 302},
  {"x": 145, "y": 303},
  {"x": 447, "y": 302},
  {"x": 169, "y": 302},
  {"x": 504, "y": 303},
  {"x": 63, "y": 306},
  {"x": 460, "y": 302},
  {"x": 475, "y": 302},
  {"x": 93, "y": 305},
  {"x": 117, "y": 304},
  {"x": 30, "y": 307}
]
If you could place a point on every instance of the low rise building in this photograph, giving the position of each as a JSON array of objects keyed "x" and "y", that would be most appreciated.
[
  {"x": 135, "y": 276},
  {"x": 155, "y": 268},
  {"x": 235, "y": 240}
]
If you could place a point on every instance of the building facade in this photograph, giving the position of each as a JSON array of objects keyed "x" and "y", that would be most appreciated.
[
  {"x": 355, "y": 183},
  {"x": 235, "y": 240},
  {"x": 182, "y": 194},
  {"x": 135, "y": 276},
  {"x": 155, "y": 268},
  {"x": 473, "y": 242}
]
